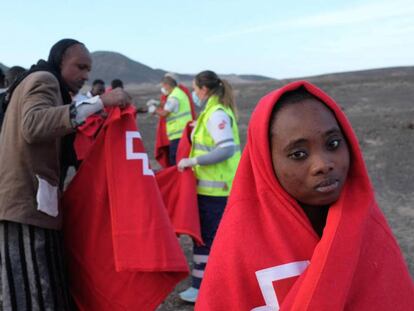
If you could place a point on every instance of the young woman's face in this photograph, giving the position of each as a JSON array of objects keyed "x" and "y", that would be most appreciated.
[{"x": 309, "y": 152}]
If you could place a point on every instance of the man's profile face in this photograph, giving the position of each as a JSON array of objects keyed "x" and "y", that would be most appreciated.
[{"x": 75, "y": 67}]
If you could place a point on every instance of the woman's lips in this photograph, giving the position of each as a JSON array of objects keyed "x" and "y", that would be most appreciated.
[{"x": 328, "y": 186}]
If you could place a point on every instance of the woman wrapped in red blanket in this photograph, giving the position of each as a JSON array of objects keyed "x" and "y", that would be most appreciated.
[{"x": 316, "y": 238}]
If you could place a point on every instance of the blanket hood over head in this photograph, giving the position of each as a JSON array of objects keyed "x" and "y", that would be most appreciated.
[{"x": 267, "y": 256}]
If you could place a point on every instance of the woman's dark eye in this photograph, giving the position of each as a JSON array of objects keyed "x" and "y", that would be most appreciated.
[
  {"x": 334, "y": 144},
  {"x": 298, "y": 155}
]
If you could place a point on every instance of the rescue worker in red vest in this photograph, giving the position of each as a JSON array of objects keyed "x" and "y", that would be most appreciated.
[
  {"x": 214, "y": 157},
  {"x": 177, "y": 111}
]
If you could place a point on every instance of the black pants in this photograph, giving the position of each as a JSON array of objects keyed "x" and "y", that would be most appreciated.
[
  {"x": 172, "y": 151},
  {"x": 211, "y": 210}
]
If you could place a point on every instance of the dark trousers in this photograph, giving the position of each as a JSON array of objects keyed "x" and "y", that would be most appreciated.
[
  {"x": 211, "y": 210},
  {"x": 172, "y": 151}
]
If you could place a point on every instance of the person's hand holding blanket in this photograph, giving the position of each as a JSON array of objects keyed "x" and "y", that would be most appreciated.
[{"x": 186, "y": 162}]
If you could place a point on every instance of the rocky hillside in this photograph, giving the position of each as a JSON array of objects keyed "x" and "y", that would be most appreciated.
[{"x": 111, "y": 65}]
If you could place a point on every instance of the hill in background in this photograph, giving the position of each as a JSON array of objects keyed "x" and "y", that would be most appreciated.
[
  {"x": 380, "y": 74},
  {"x": 110, "y": 65}
]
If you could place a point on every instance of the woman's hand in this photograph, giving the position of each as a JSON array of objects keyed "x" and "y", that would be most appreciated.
[{"x": 186, "y": 162}]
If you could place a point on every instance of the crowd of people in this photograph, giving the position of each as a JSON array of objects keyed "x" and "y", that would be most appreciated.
[{"x": 290, "y": 223}]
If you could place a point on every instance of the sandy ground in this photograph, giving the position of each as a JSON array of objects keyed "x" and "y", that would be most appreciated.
[{"x": 381, "y": 110}]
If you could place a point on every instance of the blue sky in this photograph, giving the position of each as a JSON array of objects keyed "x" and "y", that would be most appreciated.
[{"x": 280, "y": 39}]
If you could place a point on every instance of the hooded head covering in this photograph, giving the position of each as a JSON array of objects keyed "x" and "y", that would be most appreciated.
[
  {"x": 58, "y": 50},
  {"x": 52, "y": 65},
  {"x": 266, "y": 253}
]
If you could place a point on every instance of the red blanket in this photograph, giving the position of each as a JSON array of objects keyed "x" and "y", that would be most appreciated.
[
  {"x": 86, "y": 135},
  {"x": 161, "y": 139},
  {"x": 179, "y": 191},
  {"x": 267, "y": 254},
  {"x": 121, "y": 247}
]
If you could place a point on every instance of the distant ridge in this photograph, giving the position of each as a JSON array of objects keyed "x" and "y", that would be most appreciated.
[
  {"x": 362, "y": 75},
  {"x": 111, "y": 65}
]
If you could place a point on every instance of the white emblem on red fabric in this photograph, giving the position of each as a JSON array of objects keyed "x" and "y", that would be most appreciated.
[
  {"x": 267, "y": 276},
  {"x": 131, "y": 155}
]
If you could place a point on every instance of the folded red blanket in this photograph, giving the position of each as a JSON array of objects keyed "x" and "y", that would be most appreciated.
[{"x": 266, "y": 254}]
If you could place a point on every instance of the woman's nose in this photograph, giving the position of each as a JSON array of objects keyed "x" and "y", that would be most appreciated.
[{"x": 321, "y": 165}]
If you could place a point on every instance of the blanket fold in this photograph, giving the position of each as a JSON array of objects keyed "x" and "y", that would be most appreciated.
[{"x": 179, "y": 191}]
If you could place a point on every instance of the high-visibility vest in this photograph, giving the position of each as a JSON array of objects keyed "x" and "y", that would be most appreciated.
[
  {"x": 176, "y": 121},
  {"x": 215, "y": 179}
]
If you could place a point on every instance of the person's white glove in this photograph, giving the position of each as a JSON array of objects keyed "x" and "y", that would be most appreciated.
[
  {"x": 152, "y": 109},
  {"x": 186, "y": 162},
  {"x": 153, "y": 102},
  {"x": 86, "y": 108}
]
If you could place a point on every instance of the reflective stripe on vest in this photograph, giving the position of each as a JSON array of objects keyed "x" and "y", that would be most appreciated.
[
  {"x": 177, "y": 116},
  {"x": 212, "y": 184}
]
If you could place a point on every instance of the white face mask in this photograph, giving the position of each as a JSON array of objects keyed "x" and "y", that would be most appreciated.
[
  {"x": 164, "y": 91},
  {"x": 196, "y": 99}
]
